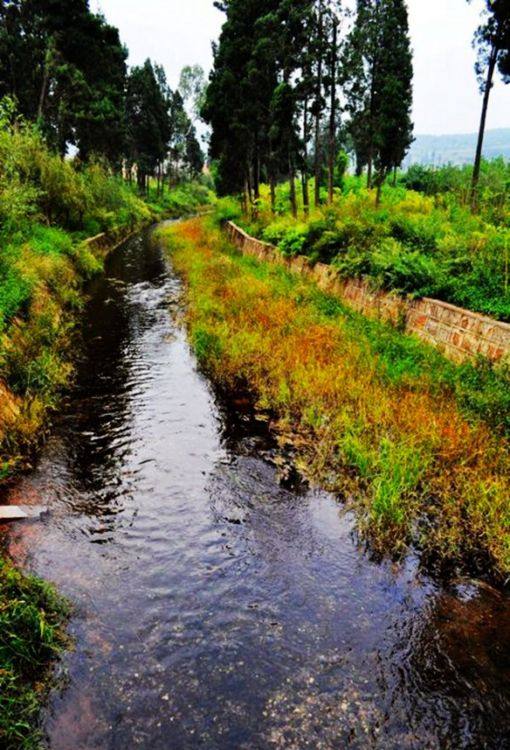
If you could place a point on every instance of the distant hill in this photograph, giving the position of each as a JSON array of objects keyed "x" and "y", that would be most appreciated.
[{"x": 457, "y": 149}]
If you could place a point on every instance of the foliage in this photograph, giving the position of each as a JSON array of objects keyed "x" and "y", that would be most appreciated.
[
  {"x": 192, "y": 86},
  {"x": 375, "y": 416},
  {"x": 32, "y": 618},
  {"x": 69, "y": 75},
  {"x": 423, "y": 245},
  {"x": 43, "y": 263}
]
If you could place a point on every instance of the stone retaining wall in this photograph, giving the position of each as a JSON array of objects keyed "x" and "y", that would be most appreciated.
[{"x": 460, "y": 334}]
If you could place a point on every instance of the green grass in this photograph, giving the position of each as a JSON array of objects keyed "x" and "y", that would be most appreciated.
[
  {"x": 414, "y": 243},
  {"x": 415, "y": 444},
  {"x": 32, "y": 635}
]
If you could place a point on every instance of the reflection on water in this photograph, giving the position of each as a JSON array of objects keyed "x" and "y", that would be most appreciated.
[{"x": 215, "y": 608}]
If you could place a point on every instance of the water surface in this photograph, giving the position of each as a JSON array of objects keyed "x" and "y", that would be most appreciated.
[{"x": 216, "y": 608}]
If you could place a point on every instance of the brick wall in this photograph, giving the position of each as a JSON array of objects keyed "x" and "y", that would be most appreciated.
[{"x": 460, "y": 334}]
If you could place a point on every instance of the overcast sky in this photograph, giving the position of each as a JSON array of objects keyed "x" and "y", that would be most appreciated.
[{"x": 179, "y": 32}]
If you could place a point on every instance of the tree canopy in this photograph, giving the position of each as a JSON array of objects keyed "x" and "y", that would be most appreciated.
[{"x": 284, "y": 75}]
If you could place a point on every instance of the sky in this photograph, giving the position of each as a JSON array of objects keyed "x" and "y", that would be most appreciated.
[{"x": 175, "y": 33}]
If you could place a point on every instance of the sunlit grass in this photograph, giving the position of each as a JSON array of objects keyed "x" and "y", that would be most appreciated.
[{"x": 373, "y": 415}]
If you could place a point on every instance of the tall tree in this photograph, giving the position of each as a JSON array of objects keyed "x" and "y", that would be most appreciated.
[
  {"x": 240, "y": 92},
  {"x": 192, "y": 87},
  {"x": 333, "y": 100},
  {"x": 377, "y": 75},
  {"x": 318, "y": 104},
  {"x": 492, "y": 40},
  {"x": 148, "y": 121},
  {"x": 393, "y": 92},
  {"x": 361, "y": 61}
]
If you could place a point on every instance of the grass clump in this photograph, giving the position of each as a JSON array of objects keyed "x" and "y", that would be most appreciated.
[
  {"x": 32, "y": 622},
  {"x": 379, "y": 418}
]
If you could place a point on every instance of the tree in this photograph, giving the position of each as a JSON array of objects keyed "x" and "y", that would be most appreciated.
[
  {"x": 148, "y": 121},
  {"x": 492, "y": 40},
  {"x": 359, "y": 69},
  {"x": 192, "y": 87},
  {"x": 283, "y": 136},
  {"x": 332, "y": 83},
  {"x": 66, "y": 68},
  {"x": 239, "y": 95},
  {"x": 393, "y": 92},
  {"x": 377, "y": 73},
  {"x": 194, "y": 156}
]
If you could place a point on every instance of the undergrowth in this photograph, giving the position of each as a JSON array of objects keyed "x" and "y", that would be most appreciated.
[
  {"x": 32, "y": 635},
  {"x": 424, "y": 243},
  {"x": 377, "y": 417}
]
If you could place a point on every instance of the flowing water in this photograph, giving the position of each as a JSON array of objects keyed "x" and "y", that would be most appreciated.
[{"x": 215, "y": 607}]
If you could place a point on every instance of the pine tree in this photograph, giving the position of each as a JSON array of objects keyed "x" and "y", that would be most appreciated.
[
  {"x": 148, "y": 121},
  {"x": 377, "y": 72},
  {"x": 239, "y": 95},
  {"x": 393, "y": 92}
]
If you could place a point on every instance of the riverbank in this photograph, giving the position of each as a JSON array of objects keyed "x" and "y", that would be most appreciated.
[
  {"x": 413, "y": 244},
  {"x": 380, "y": 419},
  {"x": 32, "y": 635},
  {"x": 41, "y": 296},
  {"x": 43, "y": 276}
]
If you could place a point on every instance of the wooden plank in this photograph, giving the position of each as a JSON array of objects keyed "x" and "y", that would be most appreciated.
[{"x": 12, "y": 513}]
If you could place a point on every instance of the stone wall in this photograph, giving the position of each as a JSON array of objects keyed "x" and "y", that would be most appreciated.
[
  {"x": 460, "y": 334},
  {"x": 108, "y": 241}
]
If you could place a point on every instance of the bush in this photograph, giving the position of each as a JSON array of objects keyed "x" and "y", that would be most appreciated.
[
  {"x": 227, "y": 209},
  {"x": 419, "y": 243}
]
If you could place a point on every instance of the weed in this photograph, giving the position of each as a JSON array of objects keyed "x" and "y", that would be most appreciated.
[{"x": 375, "y": 416}]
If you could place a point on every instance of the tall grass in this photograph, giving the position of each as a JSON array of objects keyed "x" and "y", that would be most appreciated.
[
  {"x": 375, "y": 418},
  {"x": 32, "y": 621}
]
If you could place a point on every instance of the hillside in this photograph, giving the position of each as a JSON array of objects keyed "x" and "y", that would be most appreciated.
[{"x": 457, "y": 149}]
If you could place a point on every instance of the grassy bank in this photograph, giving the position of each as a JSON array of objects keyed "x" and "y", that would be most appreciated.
[
  {"x": 48, "y": 205},
  {"x": 375, "y": 416},
  {"x": 423, "y": 243},
  {"x": 32, "y": 623}
]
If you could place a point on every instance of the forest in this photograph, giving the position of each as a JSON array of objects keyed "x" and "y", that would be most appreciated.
[{"x": 184, "y": 414}]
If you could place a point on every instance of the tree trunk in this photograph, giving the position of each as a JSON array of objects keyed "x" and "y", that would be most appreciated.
[
  {"x": 304, "y": 173},
  {"x": 370, "y": 169},
  {"x": 483, "y": 121},
  {"x": 379, "y": 182},
  {"x": 332, "y": 116},
  {"x": 272, "y": 187},
  {"x": 44, "y": 86},
  {"x": 249, "y": 191},
  {"x": 317, "y": 161},
  {"x": 292, "y": 176}
]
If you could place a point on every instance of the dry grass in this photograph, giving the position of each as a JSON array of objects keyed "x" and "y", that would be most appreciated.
[{"x": 398, "y": 449}]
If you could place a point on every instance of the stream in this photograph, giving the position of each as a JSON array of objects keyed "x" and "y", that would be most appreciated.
[{"x": 216, "y": 607}]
